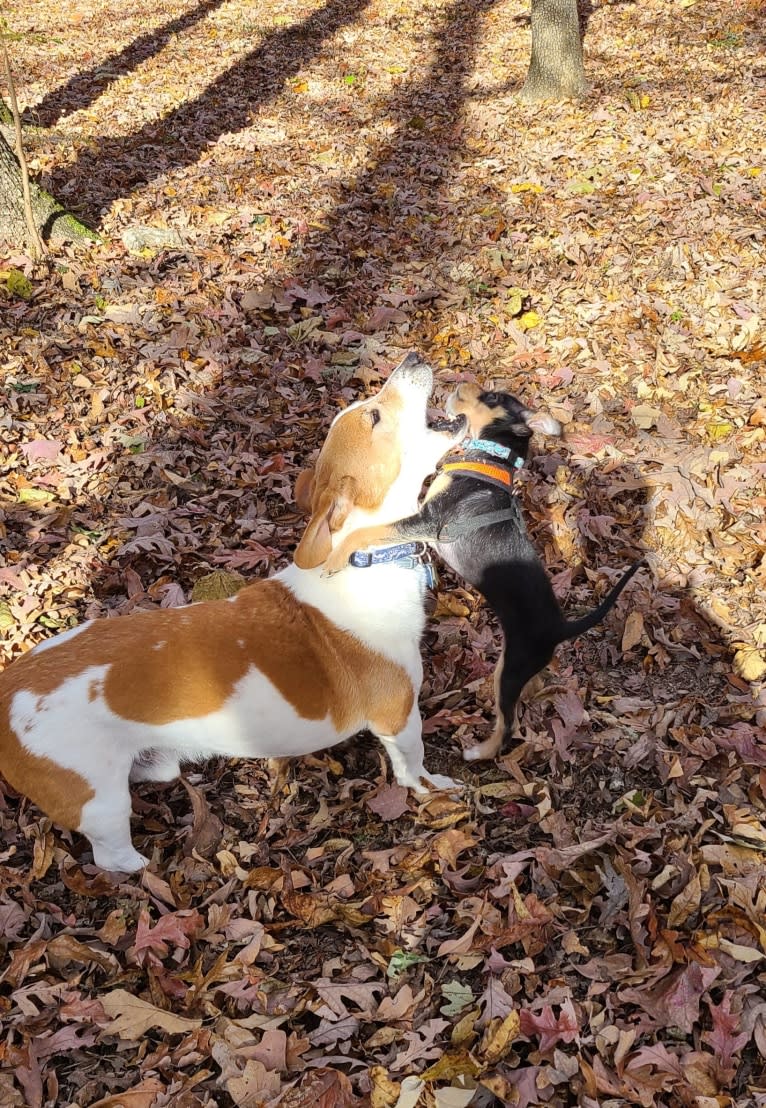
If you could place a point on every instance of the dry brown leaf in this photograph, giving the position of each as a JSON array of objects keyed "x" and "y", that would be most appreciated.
[
  {"x": 634, "y": 631},
  {"x": 132, "y": 1017},
  {"x": 143, "y": 1095}
]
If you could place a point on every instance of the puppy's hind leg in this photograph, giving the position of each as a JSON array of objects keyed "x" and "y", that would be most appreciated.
[
  {"x": 405, "y": 751},
  {"x": 491, "y": 747},
  {"x": 106, "y": 822},
  {"x": 511, "y": 675}
]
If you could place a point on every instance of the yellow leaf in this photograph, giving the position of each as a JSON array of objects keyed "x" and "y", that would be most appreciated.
[
  {"x": 749, "y": 663},
  {"x": 500, "y": 1037},
  {"x": 526, "y": 186},
  {"x": 300, "y": 85},
  {"x": 217, "y": 585},
  {"x": 720, "y": 429},
  {"x": 384, "y": 1092},
  {"x": 464, "y": 1030},
  {"x": 514, "y": 299},
  {"x": 451, "y": 1065},
  {"x": 755, "y": 171},
  {"x": 396, "y": 69},
  {"x": 449, "y": 605},
  {"x": 31, "y": 495},
  {"x": 528, "y": 320}
]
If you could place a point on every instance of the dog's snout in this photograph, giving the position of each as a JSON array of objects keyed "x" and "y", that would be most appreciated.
[
  {"x": 409, "y": 361},
  {"x": 464, "y": 395},
  {"x": 413, "y": 370}
]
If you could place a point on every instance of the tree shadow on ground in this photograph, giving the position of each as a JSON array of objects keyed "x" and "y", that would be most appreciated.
[
  {"x": 118, "y": 165},
  {"x": 396, "y": 220},
  {"x": 654, "y": 675},
  {"x": 85, "y": 87},
  {"x": 679, "y": 655}
]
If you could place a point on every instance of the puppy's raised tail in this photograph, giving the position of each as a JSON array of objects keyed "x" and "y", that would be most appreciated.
[{"x": 571, "y": 628}]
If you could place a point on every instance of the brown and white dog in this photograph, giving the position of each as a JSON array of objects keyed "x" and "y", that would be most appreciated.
[{"x": 289, "y": 665}]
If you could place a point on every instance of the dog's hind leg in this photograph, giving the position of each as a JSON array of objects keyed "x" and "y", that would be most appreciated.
[
  {"x": 512, "y": 673},
  {"x": 491, "y": 747},
  {"x": 405, "y": 752},
  {"x": 155, "y": 765},
  {"x": 106, "y": 822}
]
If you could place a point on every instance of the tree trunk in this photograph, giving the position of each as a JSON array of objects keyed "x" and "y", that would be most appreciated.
[
  {"x": 556, "y": 67},
  {"x": 54, "y": 222}
]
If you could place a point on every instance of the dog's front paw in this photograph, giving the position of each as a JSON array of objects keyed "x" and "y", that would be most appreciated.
[{"x": 443, "y": 783}]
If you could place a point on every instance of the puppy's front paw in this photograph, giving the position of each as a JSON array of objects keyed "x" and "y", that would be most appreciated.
[
  {"x": 333, "y": 565},
  {"x": 490, "y": 748}
]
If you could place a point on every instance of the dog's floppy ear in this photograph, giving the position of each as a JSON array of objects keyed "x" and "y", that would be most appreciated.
[
  {"x": 542, "y": 422},
  {"x": 329, "y": 515},
  {"x": 304, "y": 490}
]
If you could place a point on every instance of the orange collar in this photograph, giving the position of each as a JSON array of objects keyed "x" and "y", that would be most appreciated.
[{"x": 482, "y": 469}]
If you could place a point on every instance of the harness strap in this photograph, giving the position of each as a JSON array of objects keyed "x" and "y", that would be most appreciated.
[
  {"x": 495, "y": 475},
  {"x": 451, "y": 532}
]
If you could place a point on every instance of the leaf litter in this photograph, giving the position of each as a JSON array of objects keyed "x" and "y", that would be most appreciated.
[{"x": 289, "y": 196}]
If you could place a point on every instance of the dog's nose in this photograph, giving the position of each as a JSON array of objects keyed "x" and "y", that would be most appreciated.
[
  {"x": 414, "y": 370},
  {"x": 409, "y": 361}
]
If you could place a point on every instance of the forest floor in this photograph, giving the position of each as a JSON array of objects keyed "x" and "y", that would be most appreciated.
[{"x": 340, "y": 184}]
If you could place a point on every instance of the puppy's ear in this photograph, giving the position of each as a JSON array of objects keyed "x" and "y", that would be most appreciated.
[
  {"x": 542, "y": 422},
  {"x": 329, "y": 516},
  {"x": 304, "y": 490}
]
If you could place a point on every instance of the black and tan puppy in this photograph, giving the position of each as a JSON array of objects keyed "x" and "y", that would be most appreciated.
[{"x": 474, "y": 521}]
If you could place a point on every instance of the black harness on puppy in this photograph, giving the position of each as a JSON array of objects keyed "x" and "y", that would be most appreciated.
[
  {"x": 488, "y": 473},
  {"x": 410, "y": 555}
]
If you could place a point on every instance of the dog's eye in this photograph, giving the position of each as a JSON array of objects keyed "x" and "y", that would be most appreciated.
[
  {"x": 374, "y": 417},
  {"x": 490, "y": 400}
]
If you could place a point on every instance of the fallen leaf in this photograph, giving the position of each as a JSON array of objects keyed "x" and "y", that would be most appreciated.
[
  {"x": 389, "y": 803},
  {"x": 132, "y": 1017},
  {"x": 634, "y": 631},
  {"x": 500, "y": 1036}
]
